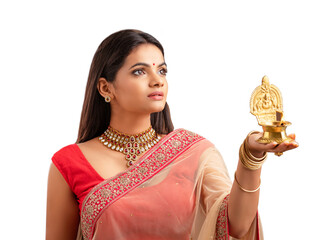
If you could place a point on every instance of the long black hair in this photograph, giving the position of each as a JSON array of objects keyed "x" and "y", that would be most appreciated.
[{"x": 108, "y": 59}]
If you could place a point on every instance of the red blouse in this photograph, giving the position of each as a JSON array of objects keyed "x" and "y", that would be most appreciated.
[{"x": 77, "y": 171}]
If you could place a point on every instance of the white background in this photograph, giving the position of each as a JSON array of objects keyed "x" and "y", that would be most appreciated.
[{"x": 216, "y": 51}]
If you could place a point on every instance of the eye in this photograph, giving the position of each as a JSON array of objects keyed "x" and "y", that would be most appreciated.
[
  {"x": 163, "y": 71},
  {"x": 138, "y": 72}
]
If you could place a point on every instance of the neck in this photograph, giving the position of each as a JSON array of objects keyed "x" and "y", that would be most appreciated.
[{"x": 130, "y": 123}]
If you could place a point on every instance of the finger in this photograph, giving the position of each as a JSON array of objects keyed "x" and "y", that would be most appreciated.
[
  {"x": 286, "y": 146},
  {"x": 271, "y": 147},
  {"x": 292, "y": 135},
  {"x": 276, "y": 145},
  {"x": 281, "y": 147},
  {"x": 267, "y": 146},
  {"x": 292, "y": 145},
  {"x": 277, "y": 148},
  {"x": 289, "y": 146}
]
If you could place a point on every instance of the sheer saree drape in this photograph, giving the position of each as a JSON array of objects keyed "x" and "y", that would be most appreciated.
[{"x": 178, "y": 190}]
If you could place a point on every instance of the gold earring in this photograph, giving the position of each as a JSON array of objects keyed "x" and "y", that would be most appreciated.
[{"x": 107, "y": 99}]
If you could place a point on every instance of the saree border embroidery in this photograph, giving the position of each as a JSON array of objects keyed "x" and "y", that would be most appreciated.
[
  {"x": 157, "y": 158},
  {"x": 222, "y": 230},
  {"x": 222, "y": 227}
]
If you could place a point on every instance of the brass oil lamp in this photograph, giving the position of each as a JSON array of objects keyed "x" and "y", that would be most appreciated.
[{"x": 267, "y": 105}]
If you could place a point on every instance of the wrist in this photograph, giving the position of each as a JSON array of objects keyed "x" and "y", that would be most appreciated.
[
  {"x": 251, "y": 160},
  {"x": 255, "y": 152}
]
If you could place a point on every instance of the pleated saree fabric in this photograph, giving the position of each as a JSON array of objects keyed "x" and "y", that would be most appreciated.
[{"x": 178, "y": 190}]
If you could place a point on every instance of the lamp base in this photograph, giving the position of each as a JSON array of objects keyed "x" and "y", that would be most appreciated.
[{"x": 276, "y": 132}]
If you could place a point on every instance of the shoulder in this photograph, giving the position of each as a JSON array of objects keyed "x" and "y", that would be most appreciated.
[
  {"x": 185, "y": 131},
  {"x": 189, "y": 133},
  {"x": 67, "y": 156},
  {"x": 66, "y": 150},
  {"x": 191, "y": 136}
]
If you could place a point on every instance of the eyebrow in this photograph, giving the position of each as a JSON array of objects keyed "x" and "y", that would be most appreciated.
[{"x": 146, "y": 65}]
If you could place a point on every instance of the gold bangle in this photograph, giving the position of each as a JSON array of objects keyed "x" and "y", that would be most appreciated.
[
  {"x": 250, "y": 158},
  {"x": 247, "y": 159},
  {"x": 246, "y": 190},
  {"x": 247, "y": 149}
]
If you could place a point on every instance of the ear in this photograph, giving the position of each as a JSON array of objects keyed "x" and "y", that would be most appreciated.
[{"x": 105, "y": 88}]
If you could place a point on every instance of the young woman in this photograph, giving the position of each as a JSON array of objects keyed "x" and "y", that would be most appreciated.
[{"x": 130, "y": 175}]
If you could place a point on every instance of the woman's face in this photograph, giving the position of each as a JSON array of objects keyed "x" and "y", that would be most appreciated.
[{"x": 140, "y": 85}]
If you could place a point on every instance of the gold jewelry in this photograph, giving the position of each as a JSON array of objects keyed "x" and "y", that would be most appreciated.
[
  {"x": 247, "y": 159},
  {"x": 107, "y": 99},
  {"x": 246, "y": 190},
  {"x": 247, "y": 148},
  {"x": 278, "y": 154},
  {"x": 130, "y": 145}
]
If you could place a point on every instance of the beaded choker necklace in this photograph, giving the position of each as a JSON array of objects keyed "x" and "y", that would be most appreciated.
[{"x": 130, "y": 145}]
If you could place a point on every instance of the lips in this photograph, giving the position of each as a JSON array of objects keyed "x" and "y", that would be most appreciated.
[
  {"x": 156, "y": 96},
  {"x": 159, "y": 94}
]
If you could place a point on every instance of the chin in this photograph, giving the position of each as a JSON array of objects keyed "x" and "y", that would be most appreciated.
[{"x": 157, "y": 108}]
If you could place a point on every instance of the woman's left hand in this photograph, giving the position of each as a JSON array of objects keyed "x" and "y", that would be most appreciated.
[{"x": 258, "y": 149}]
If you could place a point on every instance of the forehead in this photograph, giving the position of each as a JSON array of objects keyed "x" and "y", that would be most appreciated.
[{"x": 147, "y": 53}]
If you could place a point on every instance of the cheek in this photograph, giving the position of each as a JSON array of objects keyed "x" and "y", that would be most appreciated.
[
  {"x": 130, "y": 93},
  {"x": 165, "y": 87}
]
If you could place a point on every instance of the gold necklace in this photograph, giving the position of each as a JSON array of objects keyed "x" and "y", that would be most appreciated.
[{"x": 130, "y": 145}]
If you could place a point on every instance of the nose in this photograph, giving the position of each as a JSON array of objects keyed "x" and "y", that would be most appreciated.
[{"x": 156, "y": 81}]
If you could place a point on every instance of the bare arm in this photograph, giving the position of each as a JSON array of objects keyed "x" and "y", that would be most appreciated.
[
  {"x": 242, "y": 206},
  {"x": 62, "y": 208}
]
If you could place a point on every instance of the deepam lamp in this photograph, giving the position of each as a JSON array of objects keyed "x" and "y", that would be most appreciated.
[{"x": 267, "y": 105}]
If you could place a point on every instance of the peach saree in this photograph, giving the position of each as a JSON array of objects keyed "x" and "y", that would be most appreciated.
[{"x": 177, "y": 190}]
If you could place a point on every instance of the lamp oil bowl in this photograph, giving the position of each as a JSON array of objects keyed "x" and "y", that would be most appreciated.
[
  {"x": 275, "y": 132},
  {"x": 267, "y": 105}
]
